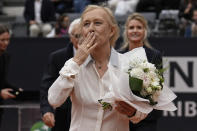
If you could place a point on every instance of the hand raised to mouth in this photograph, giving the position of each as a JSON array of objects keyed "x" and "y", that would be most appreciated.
[{"x": 85, "y": 47}]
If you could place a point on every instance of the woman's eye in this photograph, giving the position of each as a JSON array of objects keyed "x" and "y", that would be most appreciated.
[
  {"x": 131, "y": 27},
  {"x": 98, "y": 23},
  {"x": 139, "y": 27},
  {"x": 86, "y": 24}
]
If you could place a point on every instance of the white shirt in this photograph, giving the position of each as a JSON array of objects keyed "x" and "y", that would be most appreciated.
[
  {"x": 37, "y": 10},
  {"x": 83, "y": 85}
]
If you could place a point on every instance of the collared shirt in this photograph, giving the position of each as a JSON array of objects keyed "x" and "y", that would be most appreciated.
[
  {"x": 85, "y": 87},
  {"x": 38, "y": 5}
]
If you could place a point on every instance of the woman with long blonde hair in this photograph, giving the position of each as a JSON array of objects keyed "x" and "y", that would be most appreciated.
[{"x": 135, "y": 38}]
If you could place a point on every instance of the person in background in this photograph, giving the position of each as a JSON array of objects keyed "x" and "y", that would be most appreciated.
[
  {"x": 185, "y": 15},
  {"x": 194, "y": 23},
  {"x": 123, "y": 7},
  {"x": 1, "y": 7},
  {"x": 149, "y": 6},
  {"x": 79, "y": 5},
  {"x": 135, "y": 37},
  {"x": 98, "y": 2},
  {"x": 186, "y": 9},
  {"x": 62, "y": 6},
  {"x": 191, "y": 28},
  {"x": 39, "y": 15},
  {"x": 58, "y": 119},
  {"x": 61, "y": 27},
  {"x": 87, "y": 76},
  {"x": 5, "y": 87}
]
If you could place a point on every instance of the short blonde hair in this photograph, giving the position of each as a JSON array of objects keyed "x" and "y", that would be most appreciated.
[
  {"x": 141, "y": 19},
  {"x": 111, "y": 20}
]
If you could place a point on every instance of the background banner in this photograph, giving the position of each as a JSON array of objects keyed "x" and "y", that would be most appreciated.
[{"x": 29, "y": 58}]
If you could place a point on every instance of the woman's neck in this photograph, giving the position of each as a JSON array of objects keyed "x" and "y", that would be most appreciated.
[
  {"x": 101, "y": 57},
  {"x": 134, "y": 45},
  {"x": 101, "y": 54}
]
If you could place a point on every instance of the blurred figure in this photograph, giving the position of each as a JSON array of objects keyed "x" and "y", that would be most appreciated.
[
  {"x": 62, "y": 6},
  {"x": 135, "y": 37},
  {"x": 39, "y": 14},
  {"x": 186, "y": 9},
  {"x": 185, "y": 15},
  {"x": 149, "y": 6},
  {"x": 169, "y": 4},
  {"x": 61, "y": 120},
  {"x": 61, "y": 27},
  {"x": 96, "y": 2},
  {"x": 5, "y": 87},
  {"x": 79, "y": 5},
  {"x": 1, "y": 7},
  {"x": 191, "y": 28},
  {"x": 123, "y": 7},
  {"x": 194, "y": 23}
]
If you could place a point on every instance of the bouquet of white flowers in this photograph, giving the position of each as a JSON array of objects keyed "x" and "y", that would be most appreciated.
[
  {"x": 139, "y": 84},
  {"x": 145, "y": 80}
]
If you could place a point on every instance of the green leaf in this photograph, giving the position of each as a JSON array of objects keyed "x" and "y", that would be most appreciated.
[
  {"x": 105, "y": 105},
  {"x": 162, "y": 70},
  {"x": 40, "y": 126},
  {"x": 135, "y": 84}
]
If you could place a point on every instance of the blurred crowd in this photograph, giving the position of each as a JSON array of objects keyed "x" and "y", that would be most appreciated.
[{"x": 49, "y": 18}]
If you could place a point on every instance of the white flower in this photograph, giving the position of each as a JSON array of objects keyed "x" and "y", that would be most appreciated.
[
  {"x": 143, "y": 92},
  {"x": 152, "y": 75},
  {"x": 138, "y": 73},
  {"x": 147, "y": 72},
  {"x": 155, "y": 83},
  {"x": 148, "y": 65},
  {"x": 149, "y": 90},
  {"x": 146, "y": 81}
]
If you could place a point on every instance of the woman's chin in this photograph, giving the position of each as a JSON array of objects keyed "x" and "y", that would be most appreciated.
[{"x": 135, "y": 41}]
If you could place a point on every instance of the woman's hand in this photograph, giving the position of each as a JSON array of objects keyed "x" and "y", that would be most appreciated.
[
  {"x": 188, "y": 8},
  {"x": 124, "y": 108},
  {"x": 84, "y": 49},
  {"x": 5, "y": 93},
  {"x": 134, "y": 115},
  {"x": 49, "y": 119},
  {"x": 31, "y": 22}
]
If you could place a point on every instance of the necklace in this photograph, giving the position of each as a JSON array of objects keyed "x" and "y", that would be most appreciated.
[{"x": 99, "y": 66}]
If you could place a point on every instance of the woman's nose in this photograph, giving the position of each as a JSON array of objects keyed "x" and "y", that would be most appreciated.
[
  {"x": 91, "y": 28},
  {"x": 135, "y": 29}
]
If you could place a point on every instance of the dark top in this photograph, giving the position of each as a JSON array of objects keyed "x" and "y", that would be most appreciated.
[
  {"x": 183, "y": 6},
  {"x": 55, "y": 63},
  {"x": 150, "y": 123},
  {"x": 4, "y": 61},
  {"x": 47, "y": 11}
]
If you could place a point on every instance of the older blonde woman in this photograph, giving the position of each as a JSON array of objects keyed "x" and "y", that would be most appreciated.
[
  {"x": 87, "y": 76},
  {"x": 135, "y": 38}
]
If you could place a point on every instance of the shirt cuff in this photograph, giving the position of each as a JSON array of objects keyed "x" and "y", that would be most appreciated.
[
  {"x": 46, "y": 109},
  {"x": 70, "y": 69}
]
